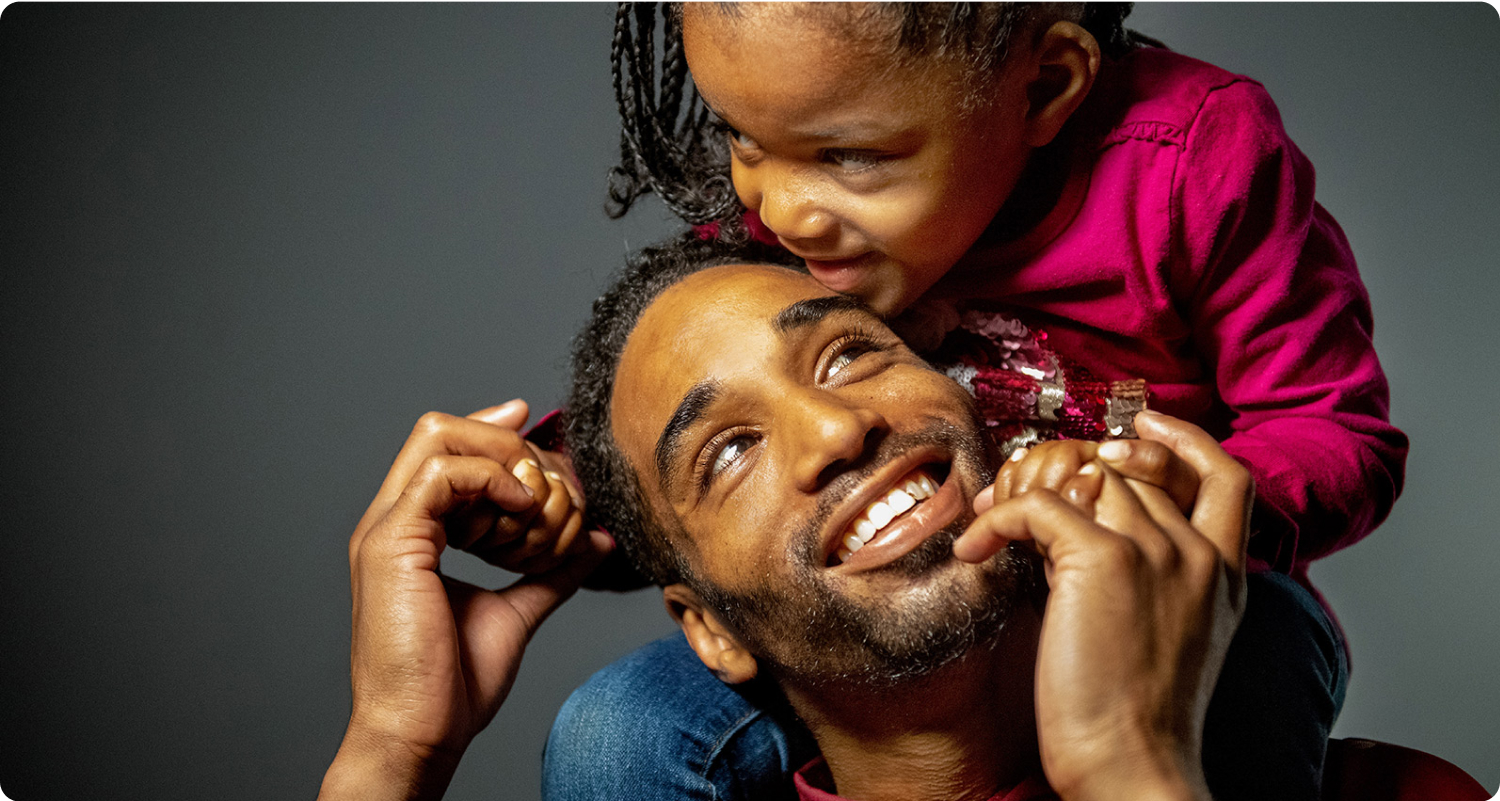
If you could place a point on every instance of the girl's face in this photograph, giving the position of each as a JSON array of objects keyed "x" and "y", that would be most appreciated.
[{"x": 865, "y": 165}]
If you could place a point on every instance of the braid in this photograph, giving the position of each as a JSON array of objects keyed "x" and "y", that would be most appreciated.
[
  {"x": 673, "y": 67},
  {"x": 684, "y": 163},
  {"x": 671, "y": 145}
]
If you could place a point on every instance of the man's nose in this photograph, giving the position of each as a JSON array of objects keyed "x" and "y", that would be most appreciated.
[
  {"x": 787, "y": 203},
  {"x": 832, "y": 435}
]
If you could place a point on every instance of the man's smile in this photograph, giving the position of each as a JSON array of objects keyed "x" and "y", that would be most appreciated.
[{"x": 888, "y": 515}]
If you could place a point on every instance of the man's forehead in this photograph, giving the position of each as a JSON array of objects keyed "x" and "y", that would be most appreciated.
[
  {"x": 706, "y": 311},
  {"x": 722, "y": 319},
  {"x": 753, "y": 291}
]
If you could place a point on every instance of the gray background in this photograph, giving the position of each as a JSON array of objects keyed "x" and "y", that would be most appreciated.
[{"x": 244, "y": 247}]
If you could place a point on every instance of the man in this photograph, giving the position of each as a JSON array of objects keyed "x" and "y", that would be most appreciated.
[{"x": 749, "y": 422}]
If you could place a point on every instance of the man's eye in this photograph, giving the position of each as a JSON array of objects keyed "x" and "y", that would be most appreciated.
[
  {"x": 848, "y": 350},
  {"x": 729, "y": 453},
  {"x": 844, "y": 359}
]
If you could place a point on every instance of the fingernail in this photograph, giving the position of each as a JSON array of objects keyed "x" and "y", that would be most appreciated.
[
  {"x": 1018, "y": 454},
  {"x": 1114, "y": 451},
  {"x": 1089, "y": 469},
  {"x": 522, "y": 470},
  {"x": 985, "y": 499},
  {"x": 554, "y": 476}
]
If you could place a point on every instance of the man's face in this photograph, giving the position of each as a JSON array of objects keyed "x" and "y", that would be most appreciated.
[{"x": 816, "y": 472}]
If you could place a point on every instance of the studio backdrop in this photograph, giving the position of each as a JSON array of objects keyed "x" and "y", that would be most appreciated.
[{"x": 244, "y": 247}]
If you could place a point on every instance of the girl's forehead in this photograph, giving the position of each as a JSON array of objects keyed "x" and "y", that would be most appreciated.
[
  {"x": 772, "y": 47},
  {"x": 757, "y": 62},
  {"x": 855, "y": 27}
]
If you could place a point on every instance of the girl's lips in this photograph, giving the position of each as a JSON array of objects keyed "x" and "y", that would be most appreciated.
[{"x": 840, "y": 275}]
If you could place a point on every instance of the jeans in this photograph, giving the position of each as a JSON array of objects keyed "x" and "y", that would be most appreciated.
[{"x": 658, "y": 724}]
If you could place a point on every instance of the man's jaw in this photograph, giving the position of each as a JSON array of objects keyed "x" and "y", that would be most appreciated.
[{"x": 893, "y": 511}]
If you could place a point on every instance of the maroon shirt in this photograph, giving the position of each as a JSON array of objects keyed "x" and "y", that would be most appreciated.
[{"x": 815, "y": 774}]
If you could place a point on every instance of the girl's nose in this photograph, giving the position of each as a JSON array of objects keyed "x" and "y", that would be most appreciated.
[
  {"x": 786, "y": 203},
  {"x": 832, "y": 436}
]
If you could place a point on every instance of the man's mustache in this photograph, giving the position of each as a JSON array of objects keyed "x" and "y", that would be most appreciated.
[{"x": 965, "y": 447}]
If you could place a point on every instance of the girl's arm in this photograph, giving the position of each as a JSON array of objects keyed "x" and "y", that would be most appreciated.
[{"x": 1281, "y": 318}]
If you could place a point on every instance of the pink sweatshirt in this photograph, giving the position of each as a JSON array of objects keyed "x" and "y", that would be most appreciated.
[{"x": 1187, "y": 250}]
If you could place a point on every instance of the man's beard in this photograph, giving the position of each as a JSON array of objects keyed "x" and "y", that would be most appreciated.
[{"x": 805, "y": 631}]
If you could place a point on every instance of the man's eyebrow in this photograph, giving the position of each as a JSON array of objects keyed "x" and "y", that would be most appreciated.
[
  {"x": 699, "y": 398},
  {"x": 808, "y": 312}
]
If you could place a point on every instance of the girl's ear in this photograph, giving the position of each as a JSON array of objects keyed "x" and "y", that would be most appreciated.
[
  {"x": 1066, "y": 59},
  {"x": 718, "y": 646}
]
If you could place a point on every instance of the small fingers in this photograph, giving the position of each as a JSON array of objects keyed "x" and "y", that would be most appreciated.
[
  {"x": 984, "y": 500},
  {"x": 1000, "y": 490},
  {"x": 1047, "y": 465},
  {"x": 552, "y": 530},
  {"x": 509, "y": 527},
  {"x": 1082, "y": 490},
  {"x": 540, "y": 539}
]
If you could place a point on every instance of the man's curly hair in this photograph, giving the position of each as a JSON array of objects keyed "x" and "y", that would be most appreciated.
[{"x": 615, "y": 500}]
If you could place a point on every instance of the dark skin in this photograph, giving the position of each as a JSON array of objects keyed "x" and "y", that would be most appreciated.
[
  {"x": 432, "y": 659},
  {"x": 1142, "y": 600},
  {"x": 884, "y": 172},
  {"x": 1119, "y": 575},
  {"x": 1050, "y": 465}
]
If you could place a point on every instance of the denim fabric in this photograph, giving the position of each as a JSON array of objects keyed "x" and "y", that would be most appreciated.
[
  {"x": 1280, "y": 691},
  {"x": 658, "y": 724}
]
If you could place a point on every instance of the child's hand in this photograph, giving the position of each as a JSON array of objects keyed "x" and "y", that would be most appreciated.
[
  {"x": 537, "y": 539},
  {"x": 1046, "y": 465},
  {"x": 1050, "y": 465},
  {"x": 531, "y": 537}
]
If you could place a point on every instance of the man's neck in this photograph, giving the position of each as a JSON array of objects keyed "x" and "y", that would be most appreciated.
[{"x": 966, "y": 732}]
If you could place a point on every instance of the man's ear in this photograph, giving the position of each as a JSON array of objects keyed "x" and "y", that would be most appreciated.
[
  {"x": 718, "y": 646},
  {"x": 1066, "y": 59}
]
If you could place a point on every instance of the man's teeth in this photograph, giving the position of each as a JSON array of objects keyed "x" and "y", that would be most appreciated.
[{"x": 879, "y": 514}]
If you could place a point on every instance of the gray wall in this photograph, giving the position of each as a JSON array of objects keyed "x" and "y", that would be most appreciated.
[{"x": 244, "y": 247}]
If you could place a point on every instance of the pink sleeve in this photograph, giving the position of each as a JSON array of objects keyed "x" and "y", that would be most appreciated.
[{"x": 1282, "y": 321}]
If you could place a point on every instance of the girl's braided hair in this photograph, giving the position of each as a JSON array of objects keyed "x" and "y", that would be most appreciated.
[{"x": 671, "y": 145}]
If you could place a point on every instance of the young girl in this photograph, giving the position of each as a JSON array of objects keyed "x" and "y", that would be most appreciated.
[{"x": 1029, "y": 179}]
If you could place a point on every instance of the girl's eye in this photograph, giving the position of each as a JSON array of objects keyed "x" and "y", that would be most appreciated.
[
  {"x": 740, "y": 139},
  {"x": 729, "y": 453},
  {"x": 852, "y": 160}
]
